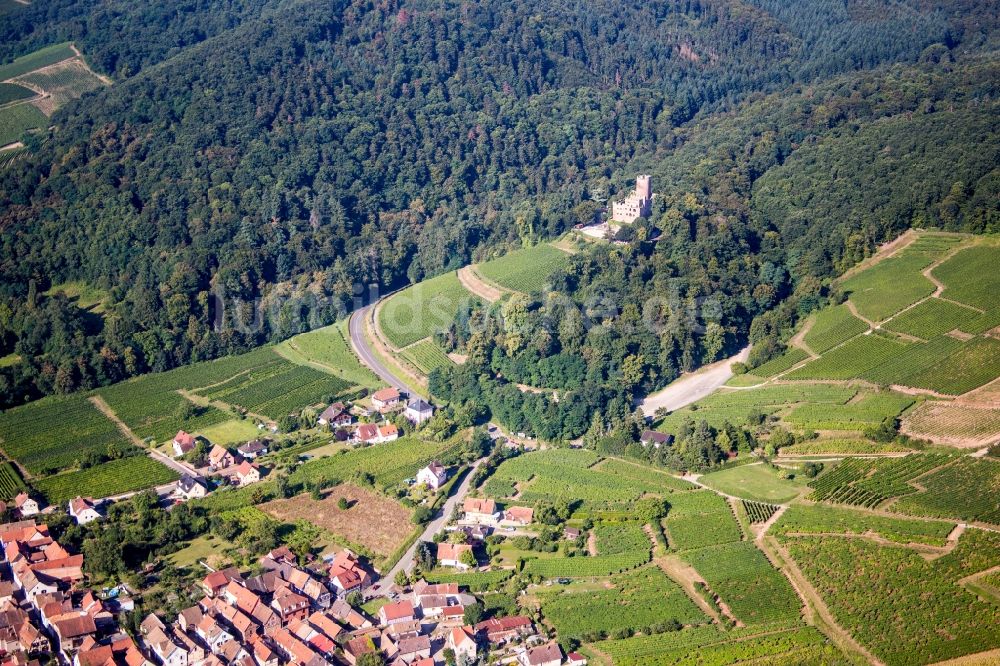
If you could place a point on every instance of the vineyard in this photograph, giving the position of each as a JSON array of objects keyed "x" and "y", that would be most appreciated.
[
  {"x": 566, "y": 474},
  {"x": 869, "y": 588},
  {"x": 910, "y": 360},
  {"x": 970, "y": 366},
  {"x": 328, "y": 347},
  {"x": 793, "y": 356},
  {"x": 709, "y": 646},
  {"x": 850, "y": 360},
  {"x": 817, "y": 519},
  {"x": 739, "y": 573},
  {"x": 758, "y": 512},
  {"x": 52, "y": 434},
  {"x": 10, "y": 482},
  {"x": 833, "y": 326},
  {"x": 971, "y": 277},
  {"x": 640, "y": 600},
  {"x": 525, "y": 270},
  {"x": 890, "y": 285},
  {"x": 11, "y": 92},
  {"x": 282, "y": 388},
  {"x": 422, "y": 309},
  {"x": 64, "y": 82},
  {"x": 967, "y": 490},
  {"x": 36, "y": 60},
  {"x": 107, "y": 479},
  {"x": 870, "y": 410},
  {"x": 932, "y": 318},
  {"x": 18, "y": 119},
  {"x": 841, "y": 446},
  {"x": 868, "y": 483},
  {"x": 586, "y": 567},
  {"x": 951, "y": 420},
  {"x": 388, "y": 464},
  {"x": 427, "y": 355},
  {"x": 700, "y": 519}
]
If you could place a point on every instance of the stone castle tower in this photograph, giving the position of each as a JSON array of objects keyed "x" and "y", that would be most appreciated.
[{"x": 637, "y": 204}]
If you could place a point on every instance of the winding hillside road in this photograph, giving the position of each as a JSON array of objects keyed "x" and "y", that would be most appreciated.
[{"x": 361, "y": 347}]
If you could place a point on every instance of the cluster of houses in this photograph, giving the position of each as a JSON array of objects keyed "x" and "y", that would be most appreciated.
[
  {"x": 81, "y": 509},
  {"x": 44, "y": 612},
  {"x": 485, "y": 512},
  {"x": 297, "y": 616}
]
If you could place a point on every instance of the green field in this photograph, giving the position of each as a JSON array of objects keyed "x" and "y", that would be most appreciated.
[
  {"x": 427, "y": 355},
  {"x": 818, "y": 519},
  {"x": 18, "y": 119},
  {"x": 11, "y": 92},
  {"x": 54, "y": 433},
  {"x": 833, "y": 326},
  {"x": 904, "y": 608},
  {"x": 40, "y": 58},
  {"x": 107, "y": 479},
  {"x": 525, "y": 270},
  {"x": 791, "y": 357},
  {"x": 329, "y": 348},
  {"x": 422, "y": 309},
  {"x": 639, "y": 600},
  {"x": 229, "y": 432},
  {"x": 890, "y": 285},
  {"x": 931, "y": 318},
  {"x": 761, "y": 483}
]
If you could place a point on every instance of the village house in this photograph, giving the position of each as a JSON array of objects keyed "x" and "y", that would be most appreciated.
[
  {"x": 385, "y": 399},
  {"x": 161, "y": 642},
  {"x": 342, "y": 612},
  {"x": 354, "y": 648},
  {"x": 246, "y": 473},
  {"x": 657, "y": 439},
  {"x": 369, "y": 433},
  {"x": 122, "y": 651},
  {"x": 575, "y": 659},
  {"x": 216, "y": 582},
  {"x": 252, "y": 449},
  {"x": 190, "y": 487},
  {"x": 183, "y": 443},
  {"x": 543, "y": 655},
  {"x": 480, "y": 510},
  {"x": 450, "y": 554},
  {"x": 25, "y": 505},
  {"x": 212, "y": 633},
  {"x": 518, "y": 515},
  {"x": 412, "y": 649},
  {"x": 571, "y": 533},
  {"x": 394, "y": 613},
  {"x": 462, "y": 641},
  {"x": 418, "y": 411},
  {"x": 83, "y": 510},
  {"x": 335, "y": 416},
  {"x": 433, "y": 476},
  {"x": 347, "y": 575},
  {"x": 289, "y": 605},
  {"x": 220, "y": 457},
  {"x": 502, "y": 630}
]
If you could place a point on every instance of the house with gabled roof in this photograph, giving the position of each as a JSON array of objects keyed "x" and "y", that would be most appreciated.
[
  {"x": 418, "y": 411},
  {"x": 433, "y": 476},
  {"x": 183, "y": 443},
  {"x": 543, "y": 655},
  {"x": 220, "y": 457},
  {"x": 26, "y": 506},
  {"x": 450, "y": 554},
  {"x": 83, "y": 510},
  {"x": 394, "y": 613},
  {"x": 504, "y": 629},
  {"x": 462, "y": 641},
  {"x": 656, "y": 439},
  {"x": 518, "y": 515},
  {"x": 385, "y": 399},
  {"x": 480, "y": 510},
  {"x": 335, "y": 415},
  {"x": 252, "y": 449},
  {"x": 246, "y": 473},
  {"x": 190, "y": 487}
]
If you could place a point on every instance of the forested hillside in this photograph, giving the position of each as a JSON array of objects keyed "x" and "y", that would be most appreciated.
[{"x": 261, "y": 148}]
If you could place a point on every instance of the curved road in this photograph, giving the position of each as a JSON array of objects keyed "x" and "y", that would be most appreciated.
[
  {"x": 692, "y": 387},
  {"x": 356, "y": 329}
]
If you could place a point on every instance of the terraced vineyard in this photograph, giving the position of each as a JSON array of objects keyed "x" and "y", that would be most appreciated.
[
  {"x": 40, "y": 58},
  {"x": 53, "y": 434},
  {"x": 427, "y": 355},
  {"x": 956, "y": 421},
  {"x": 868, "y": 411},
  {"x": 931, "y": 318},
  {"x": 818, "y": 519},
  {"x": 281, "y": 389},
  {"x": 970, "y": 277},
  {"x": 638, "y": 601},
  {"x": 790, "y": 358},
  {"x": 586, "y": 567},
  {"x": 832, "y": 327},
  {"x": 16, "y": 120},
  {"x": 700, "y": 519},
  {"x": 10, "y": 482},
  {"x": 422, "y": 309},
  {"x": 869, "y": 588},
  {"x": 328, "y": 346},
  {"x": 890, "y": 285},
  {"x": 107, "y": 479},
  {"x": 869, "y": 482},
  {"x": 525, "y": 270},
  {"x": 966, "y": 490},
  {"x": 758, "y": 512},
  {"x": 739, "y": 573},
  {"x": 852, "y": 359},
  {"x": 973, "y": 364}
]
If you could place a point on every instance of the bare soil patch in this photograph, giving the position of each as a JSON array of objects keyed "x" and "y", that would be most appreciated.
[
  {"x": 373, "y": 520},
  {"x": 474, "y": 282}
]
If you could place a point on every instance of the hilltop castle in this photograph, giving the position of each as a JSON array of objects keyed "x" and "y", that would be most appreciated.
[{"x": 638, "y": 203}]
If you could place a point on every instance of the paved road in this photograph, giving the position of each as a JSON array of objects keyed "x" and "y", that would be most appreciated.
[
  {"x": 178, "y": 466},
  {"x": 359, "y": 343},
  {"x": 406, "y": 561},
  {"x": 692, "y": 387}
]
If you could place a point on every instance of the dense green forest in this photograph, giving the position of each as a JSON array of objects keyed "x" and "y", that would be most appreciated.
[{"x": 281, "y": 153}]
